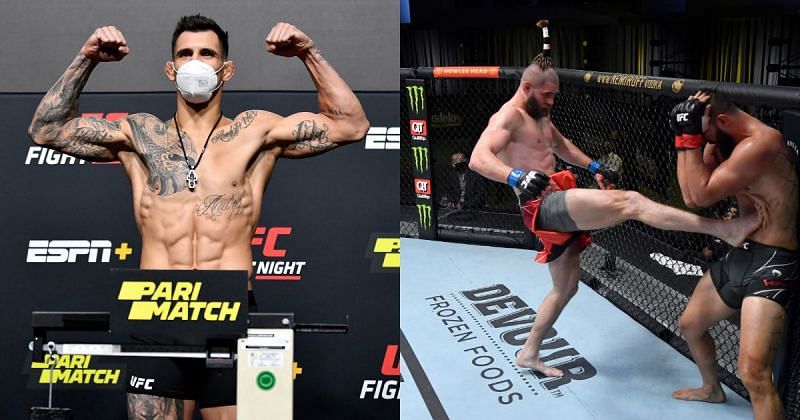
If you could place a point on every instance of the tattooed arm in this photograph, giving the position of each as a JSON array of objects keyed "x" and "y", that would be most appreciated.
[
  {"x": 56, "y": 123},
  {"x": 341, "y": 118}
]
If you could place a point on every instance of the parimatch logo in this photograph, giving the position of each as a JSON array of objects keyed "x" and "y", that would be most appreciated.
[
  {"x": 174, "y": 301},
  {"x": 384, "y": 250},
  {"x": 73, "y": 369},
  {"x": 424, "y": 212},
  {"x": 421, "y": 161},
  {"x": 416, "y": 98}
]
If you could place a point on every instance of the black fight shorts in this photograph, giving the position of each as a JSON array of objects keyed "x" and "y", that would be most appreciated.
[
  {"x": 756, "y": 270},
  {"x": 185, "y": 379}
]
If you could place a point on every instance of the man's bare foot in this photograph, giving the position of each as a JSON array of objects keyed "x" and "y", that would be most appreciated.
[
  {"x": 713, "y": 394},
  {"x": 539, "y": 366},
  {"x": 735, "y": 231}
]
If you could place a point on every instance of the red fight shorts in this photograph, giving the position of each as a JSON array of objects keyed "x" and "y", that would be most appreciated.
[{"x": 552, "y": 243}]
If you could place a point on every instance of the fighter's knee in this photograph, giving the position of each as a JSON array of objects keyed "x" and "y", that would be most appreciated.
[
  {"x": 572, "y": 291},
  {"x": 565, "y": 293},
  {"x": 690, "y": 328},
  {"x": 756, "y": 374},
  {"x": 630, "y": 203}
]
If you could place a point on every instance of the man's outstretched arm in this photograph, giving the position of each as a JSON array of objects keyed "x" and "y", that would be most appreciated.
[
  {"x": 341, "y": 118},
  {"x": 56, "y": 123}
]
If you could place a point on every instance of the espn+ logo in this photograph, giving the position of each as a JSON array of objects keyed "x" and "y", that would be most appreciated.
[{"x": 70, "y": 251}]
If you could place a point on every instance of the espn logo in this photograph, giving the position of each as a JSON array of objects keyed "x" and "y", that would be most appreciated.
[
  {"x": 383, "y": 138},
  {"x": 67, "y": 251},
  {"x": 422, "y": 187},
  {"x": 419, "y": 130}
]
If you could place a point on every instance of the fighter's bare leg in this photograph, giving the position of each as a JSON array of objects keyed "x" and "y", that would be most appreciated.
[
  {"x": 147, "y": 407},
  {"x": 565, "y": 272},
  {"x": 227, "y": 412},
  {"x": 705, "y": 309},
  {"x": 761, "y": 334},
  {"x": 596, "y": 209}
]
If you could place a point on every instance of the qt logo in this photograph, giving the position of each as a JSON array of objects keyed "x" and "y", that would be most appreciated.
[{"x": 419, "y": 130}]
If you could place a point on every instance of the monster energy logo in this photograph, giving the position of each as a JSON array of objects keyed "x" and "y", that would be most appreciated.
[
  {"x": 416, "y": 98},
  {"x": 424, "y": 212},
  {"x": 420, "y": 158}
]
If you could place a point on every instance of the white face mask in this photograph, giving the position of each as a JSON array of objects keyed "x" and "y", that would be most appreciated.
[{"x": 196, "y": 81}]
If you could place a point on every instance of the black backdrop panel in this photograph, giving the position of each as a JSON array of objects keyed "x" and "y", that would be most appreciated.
[{"x": 325, "y": 213}]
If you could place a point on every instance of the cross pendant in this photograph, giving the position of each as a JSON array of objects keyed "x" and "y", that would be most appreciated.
[{"x": 191, "y": 179}]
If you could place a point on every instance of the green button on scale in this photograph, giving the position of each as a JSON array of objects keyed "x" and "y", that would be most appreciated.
[{"x": 265, "y": 380}]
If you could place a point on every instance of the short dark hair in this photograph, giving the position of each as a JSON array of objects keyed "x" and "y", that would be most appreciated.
[
  {"x": 721, "y": 102},
  {"x": 199, "y": 23}
]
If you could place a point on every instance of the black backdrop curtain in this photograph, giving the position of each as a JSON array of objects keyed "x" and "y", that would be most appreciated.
[{"x": 730, "y": 50}]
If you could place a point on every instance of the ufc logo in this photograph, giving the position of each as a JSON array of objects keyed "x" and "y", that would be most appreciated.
[
  {"x": 269, "y": 241},
  {"x": 138, "y": 382},
  {"x": 418, "y": 128},
  {"x": 422, "y": 186},
  {"x": 683, "y": 117},
  {"x": 391, "y": 361}
]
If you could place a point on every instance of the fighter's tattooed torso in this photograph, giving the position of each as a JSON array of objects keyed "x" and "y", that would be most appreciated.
[
  {"x": 166, "y": 159},
  {"x": 161, "y": 153}
]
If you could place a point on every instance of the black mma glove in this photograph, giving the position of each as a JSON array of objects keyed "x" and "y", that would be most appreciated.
[
  {"x": 532, "y": 183},
  {"x": 686, "y": 121}
]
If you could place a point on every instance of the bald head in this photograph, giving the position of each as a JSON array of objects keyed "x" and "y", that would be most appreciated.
[{"x": 536, "y": 76}]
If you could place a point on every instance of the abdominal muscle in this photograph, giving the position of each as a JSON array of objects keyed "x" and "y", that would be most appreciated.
[{"x": 197, "y": 230}]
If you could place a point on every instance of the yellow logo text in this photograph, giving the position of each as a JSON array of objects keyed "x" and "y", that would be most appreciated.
[{"x": 171, "y": 301}]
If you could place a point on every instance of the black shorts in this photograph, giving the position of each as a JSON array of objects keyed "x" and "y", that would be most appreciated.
[
  {"x": 185, "y": 379},
  {"x": 755, "y": 270}
]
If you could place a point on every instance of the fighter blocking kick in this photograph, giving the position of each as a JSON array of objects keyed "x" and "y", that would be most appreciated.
[
  {"x": 518, "y": 147},
  {"x": 178, "y": 166},
  {"x": 723, "y": 151}
]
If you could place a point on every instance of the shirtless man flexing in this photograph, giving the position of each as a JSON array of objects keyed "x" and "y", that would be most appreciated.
[
  {"x": 198, "y": 158},
  {"x": 518, "y": 147},
  {"x": 750, "y": 160}
]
